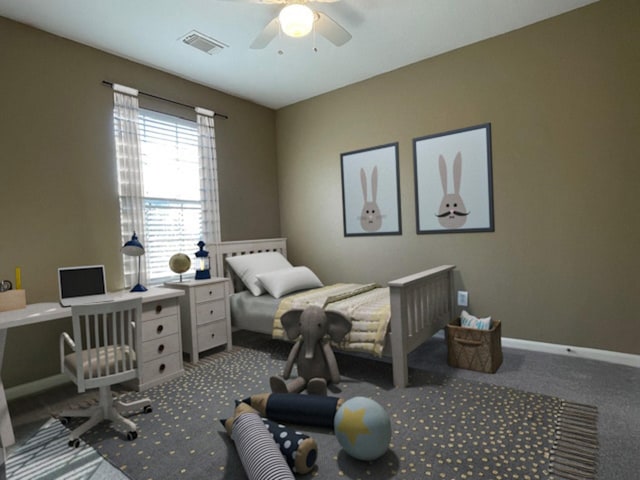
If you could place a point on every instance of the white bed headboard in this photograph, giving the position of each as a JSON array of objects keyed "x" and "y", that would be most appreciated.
[{"x": 245, "y": 247}]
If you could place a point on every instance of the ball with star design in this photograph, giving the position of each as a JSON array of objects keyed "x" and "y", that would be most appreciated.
[{"x": 363, "y": 428}]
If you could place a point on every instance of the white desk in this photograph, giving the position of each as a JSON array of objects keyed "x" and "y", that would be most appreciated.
[{"x": 156, "y": 298}]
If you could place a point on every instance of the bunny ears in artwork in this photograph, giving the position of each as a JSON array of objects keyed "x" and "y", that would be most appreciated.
[
  {"x": 452, "y": 212},
  {"x": 370, "y": 217}
]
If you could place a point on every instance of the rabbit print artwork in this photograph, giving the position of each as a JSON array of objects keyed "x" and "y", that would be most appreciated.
[
  {"x": 370, "y": 217},
  {"x": 452, "y": 212}
]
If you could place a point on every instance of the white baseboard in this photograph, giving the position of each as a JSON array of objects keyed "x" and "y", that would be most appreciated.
[
  {"x": 619, "y": 358},
  {"x": 579, "y": 352},
  {"x": 36, "y": 386}
]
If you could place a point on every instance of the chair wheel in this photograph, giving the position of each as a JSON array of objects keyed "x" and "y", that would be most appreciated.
[
  {"x": 64, "y": 421},
  {"x": 132, "y": 435},
  {"x": 74, "y": 443},
  {"x": 148, "y": 409}
]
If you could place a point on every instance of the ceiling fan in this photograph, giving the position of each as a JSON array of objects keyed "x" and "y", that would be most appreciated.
[{"x": 296, "y": 19}]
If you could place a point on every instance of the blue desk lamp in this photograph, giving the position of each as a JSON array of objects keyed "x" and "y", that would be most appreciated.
[{"x": 134, "y": 248}]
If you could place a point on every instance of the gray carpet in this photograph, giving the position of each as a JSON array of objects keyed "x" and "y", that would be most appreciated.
[
  {"x": 614, "y": 389},
  {"x": 442, "y": 427}
]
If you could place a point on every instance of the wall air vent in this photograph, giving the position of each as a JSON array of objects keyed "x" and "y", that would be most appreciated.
[{"x": 203, "y": 43}]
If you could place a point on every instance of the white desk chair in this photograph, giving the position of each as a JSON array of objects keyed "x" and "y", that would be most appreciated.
[{"x": 103, "y": 353}]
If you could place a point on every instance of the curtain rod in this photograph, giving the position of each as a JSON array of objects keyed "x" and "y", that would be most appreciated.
[{"x": 110, "y": 84}]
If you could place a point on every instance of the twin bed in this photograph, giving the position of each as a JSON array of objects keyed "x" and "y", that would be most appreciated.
[{"x": 407, "y": 312}]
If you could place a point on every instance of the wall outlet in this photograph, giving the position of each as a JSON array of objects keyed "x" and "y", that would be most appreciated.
[{"x": 463, "y": 298}]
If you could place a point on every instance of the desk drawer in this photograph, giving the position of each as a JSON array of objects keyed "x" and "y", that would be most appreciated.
[
  {"x": 209, "y": 292},
  {"x": 160, "y": 327},
  {"x": 161, "y": 308},
  {"x": 159, "y": 347},
  {"x": 212, "y": 335},
  {"x": 210, "y": 311},
  {"x": 160, "y": 368}
]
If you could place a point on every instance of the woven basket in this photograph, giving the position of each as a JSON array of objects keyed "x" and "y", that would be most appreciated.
[{"x": 473, "y": 349}]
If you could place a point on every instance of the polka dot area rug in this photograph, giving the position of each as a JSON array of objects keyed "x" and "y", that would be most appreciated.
[{"x": 441, "y": 428}]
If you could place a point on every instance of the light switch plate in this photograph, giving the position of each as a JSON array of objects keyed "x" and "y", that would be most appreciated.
[{"x": 463, "y": 298}]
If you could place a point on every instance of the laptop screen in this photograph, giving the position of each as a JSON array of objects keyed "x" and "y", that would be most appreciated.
[{"x": 81, "y": 281}]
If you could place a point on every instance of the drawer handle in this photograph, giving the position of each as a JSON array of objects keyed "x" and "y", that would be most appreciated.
[
  {"x": 211, "y": 312},
  {"x": 162, "y": 367},
  {"x": 159, "y": 329},
  {"x": 158, "y": 308},
  {"x": 160, "y": 348},
  {"x": 210, "y": 292},
  {"x": 213, "y": 335}
]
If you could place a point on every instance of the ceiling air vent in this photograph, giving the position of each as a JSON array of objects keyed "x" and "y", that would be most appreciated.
[{"x": 203, "y": 43}]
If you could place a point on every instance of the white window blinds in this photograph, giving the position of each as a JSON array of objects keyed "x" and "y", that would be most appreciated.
[{"x": 171, "y": 190}]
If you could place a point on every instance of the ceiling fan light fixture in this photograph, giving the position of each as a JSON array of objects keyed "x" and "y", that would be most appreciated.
[{"x": 296, "y": 20}]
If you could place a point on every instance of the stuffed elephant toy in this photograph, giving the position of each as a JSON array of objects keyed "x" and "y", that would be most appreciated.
[{"x": 317, "y": 365}]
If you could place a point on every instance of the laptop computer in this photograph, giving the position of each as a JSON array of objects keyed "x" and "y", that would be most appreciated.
[{"x": 81, "y": 285}]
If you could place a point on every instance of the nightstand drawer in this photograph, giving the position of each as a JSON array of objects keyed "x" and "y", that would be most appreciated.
[
  {"x": 161, "y": 308},
  {"x": 212, "y": 335},
  {"x": 210, "y": 311},
  {"x": 157, "y": 369},
  {"x": 159, "y": 347},
  {"x": 213, "y": 291},
  {"x": 160, "y": 327}
]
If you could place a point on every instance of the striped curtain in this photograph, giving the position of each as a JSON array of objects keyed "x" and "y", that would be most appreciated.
[
  {"x": 208, "y": 181},
  {"x": 127, "y": 142}
]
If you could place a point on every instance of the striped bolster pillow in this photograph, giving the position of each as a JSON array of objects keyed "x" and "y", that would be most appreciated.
[{"x": 259, "y": 454}]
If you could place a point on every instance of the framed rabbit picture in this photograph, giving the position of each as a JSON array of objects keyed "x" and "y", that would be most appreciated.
[
  {"x": 453, "y": 181},
  {"x": 371, "y": 191}
]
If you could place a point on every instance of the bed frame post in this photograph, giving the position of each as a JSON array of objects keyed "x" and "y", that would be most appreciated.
[
  {"x": 421, "y": 304},
  {"x": 399, "y": 336}
]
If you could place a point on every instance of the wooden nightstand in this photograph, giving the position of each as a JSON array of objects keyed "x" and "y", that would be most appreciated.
[{"x": 204, "y": 314}]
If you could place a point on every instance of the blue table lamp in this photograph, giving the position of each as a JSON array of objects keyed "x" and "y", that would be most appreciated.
[
  {"x": 202, "y": 263},
  {"x": 134, "y": 248}
]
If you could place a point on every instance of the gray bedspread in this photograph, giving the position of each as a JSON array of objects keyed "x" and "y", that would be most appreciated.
[{"x": 253, "y": 313}]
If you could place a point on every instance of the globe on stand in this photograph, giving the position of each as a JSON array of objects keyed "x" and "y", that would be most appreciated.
[{"x": 179, "y": 263}]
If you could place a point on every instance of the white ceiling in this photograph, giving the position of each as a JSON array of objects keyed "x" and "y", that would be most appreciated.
[{"x": 387, "y": 34}]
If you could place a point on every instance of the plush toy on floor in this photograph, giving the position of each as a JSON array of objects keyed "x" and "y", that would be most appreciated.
[
  {"x": 316, "y": 363},
  {"x": 259, "y": 454},
  {"x": 363, "y": 428},
  {"x": 311, "y": 410},
  {"x": 299, "y": 450}
]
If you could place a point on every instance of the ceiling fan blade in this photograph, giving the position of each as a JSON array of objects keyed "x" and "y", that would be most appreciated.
[
  {"x": 266, "y": 35},
  {"x": 331, "y": 30}
]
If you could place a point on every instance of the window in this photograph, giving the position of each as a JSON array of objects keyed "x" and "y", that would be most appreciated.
[
  {"x": 167, "y": 183},
  {"x": 171, "y": 190}
]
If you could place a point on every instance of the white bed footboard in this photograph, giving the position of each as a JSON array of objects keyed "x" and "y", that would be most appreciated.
[{"x": 421, "y": 304}]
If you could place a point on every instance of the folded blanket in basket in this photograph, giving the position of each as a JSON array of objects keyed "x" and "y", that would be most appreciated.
[{"x": 469, "y": 321}]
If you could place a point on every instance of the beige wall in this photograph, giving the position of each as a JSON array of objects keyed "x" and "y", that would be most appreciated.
[
  {"x": 58, "y": 185},
  {"x": 563, "y": 99},
  {"x": 561, "y": 96}
]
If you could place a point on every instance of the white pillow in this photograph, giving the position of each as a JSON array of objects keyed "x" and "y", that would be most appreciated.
[
  {"x": 248, "y": 266},
  {"x": 289, "y": 280},
  {"x": 469, "y": 321}
]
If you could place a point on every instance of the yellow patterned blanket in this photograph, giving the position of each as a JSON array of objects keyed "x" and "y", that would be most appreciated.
[{"x": 367, "y": 306}]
